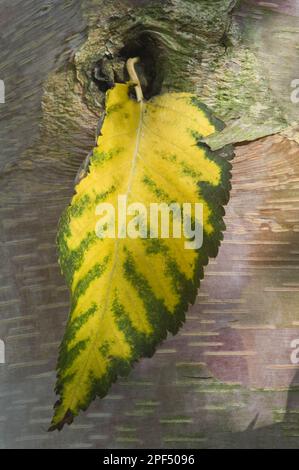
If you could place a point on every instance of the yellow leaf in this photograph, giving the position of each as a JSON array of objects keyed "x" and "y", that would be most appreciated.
[{"x": 128, "y": 293}]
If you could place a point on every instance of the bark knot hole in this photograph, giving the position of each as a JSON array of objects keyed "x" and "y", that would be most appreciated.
[{"x": 145, "y": 45}]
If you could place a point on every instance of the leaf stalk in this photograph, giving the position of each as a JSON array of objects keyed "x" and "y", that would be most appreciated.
[{"x": 134, "y": 79}]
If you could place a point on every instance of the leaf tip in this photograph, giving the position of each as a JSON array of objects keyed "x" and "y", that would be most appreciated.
[{"x": 67, "y": 419}]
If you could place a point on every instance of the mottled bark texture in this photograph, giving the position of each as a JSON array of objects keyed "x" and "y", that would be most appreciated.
[{"x": 229, "y": 369}]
